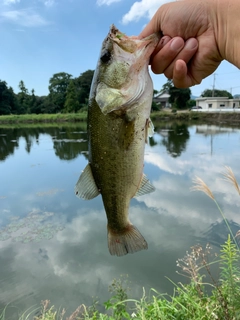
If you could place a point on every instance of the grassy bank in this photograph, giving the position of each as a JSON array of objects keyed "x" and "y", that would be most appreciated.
[
  {"x": 213, "y": 117},
  {"x": 233, "y": 117},
  {"x": 43, "y": 118},
  {"x": 203, "y": 298}
]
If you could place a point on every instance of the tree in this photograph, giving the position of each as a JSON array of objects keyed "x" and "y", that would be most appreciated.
[
  {"x": 167, "y": 86},
  {"x": 23, "y": 98},
  {"x": 155, "y": 106},
  {"x": 179, "y": 97},
  {"x": 191, "y": 103},
  {"x": 216, "y": 93},
  {"x": 83, "y": 85},
  {"x": 71, "y": 103},
  {"x": 7, "y": 99},
  {"x": 58, "y": 85}
]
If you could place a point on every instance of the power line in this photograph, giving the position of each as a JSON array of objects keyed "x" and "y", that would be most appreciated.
[{"x": 235, "y": 87}]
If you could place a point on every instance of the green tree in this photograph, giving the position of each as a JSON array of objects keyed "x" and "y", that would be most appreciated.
[
  {"x": 216, "y": 93},
  {"x": 7, "y": 99},
  {"x": 167, "y": 86},
  {"x": 23, "y": 99},
  {"x": 32, "y": 101},
  {"x": 83, "y": 85},
  {"x": 155, "y": 106},
  {"x": 179, "y": 97},
  {"x": 71, "y": 103},
  {"x": 191, "y": 103},
  {"x": 58, "y": 85}
]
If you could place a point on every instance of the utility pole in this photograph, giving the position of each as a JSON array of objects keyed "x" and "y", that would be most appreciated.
[{"x": 213, "y": 89}]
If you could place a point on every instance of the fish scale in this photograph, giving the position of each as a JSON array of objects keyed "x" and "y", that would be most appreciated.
[{"x": 118, "y": 124}]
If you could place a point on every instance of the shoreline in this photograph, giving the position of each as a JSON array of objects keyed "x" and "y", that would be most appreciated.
[
  {"x": 43, "y": 118},
  {"x": 214, "y": 117}
]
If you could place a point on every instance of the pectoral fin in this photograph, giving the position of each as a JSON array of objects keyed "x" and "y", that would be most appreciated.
[
  {"x": 145, "y": 187},
  {"x": 86, "y": 187}
]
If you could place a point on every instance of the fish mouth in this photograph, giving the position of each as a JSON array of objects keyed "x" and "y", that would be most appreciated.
[{"x": 132, "y": 43}]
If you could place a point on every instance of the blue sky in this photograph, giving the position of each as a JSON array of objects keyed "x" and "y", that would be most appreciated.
[{"x": 43, "y": 37}]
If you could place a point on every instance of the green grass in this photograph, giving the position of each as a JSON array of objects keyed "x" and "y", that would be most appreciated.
[
  {"x": 184, "y": 115},
  {"x": 39, "y": 118},
  {"x": 199, "y": 299}
]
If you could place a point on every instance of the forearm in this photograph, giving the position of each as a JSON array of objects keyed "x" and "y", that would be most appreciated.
[{"x": 226, "y": 19}]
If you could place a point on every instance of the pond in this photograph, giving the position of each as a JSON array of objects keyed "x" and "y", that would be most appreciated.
[{"x": 54, "y": 245}]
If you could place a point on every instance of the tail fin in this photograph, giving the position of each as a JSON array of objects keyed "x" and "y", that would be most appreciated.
[{"x": 126, "y": 242}]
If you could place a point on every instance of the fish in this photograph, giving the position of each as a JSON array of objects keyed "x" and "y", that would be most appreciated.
[{"x": 118, "y": 127}]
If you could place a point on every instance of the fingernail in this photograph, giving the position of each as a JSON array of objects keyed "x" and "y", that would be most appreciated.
[
  {"x": 191, "y": 44},
  {"x": 177, "y": 44}
]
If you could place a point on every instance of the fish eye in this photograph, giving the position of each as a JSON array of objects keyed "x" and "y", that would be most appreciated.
[{"x": 106, "y": 57}]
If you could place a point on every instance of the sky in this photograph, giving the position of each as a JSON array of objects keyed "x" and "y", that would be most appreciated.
[{"x": 43, "y": 37}]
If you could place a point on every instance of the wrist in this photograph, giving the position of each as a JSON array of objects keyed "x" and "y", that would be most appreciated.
[{"x": 226, "y": 24}]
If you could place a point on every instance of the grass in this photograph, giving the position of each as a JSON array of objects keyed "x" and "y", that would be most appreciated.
[
  {"x": 184, "y": 115},
  {"x": 39, "y": 118},
  {"x": 199, "y": 299}
]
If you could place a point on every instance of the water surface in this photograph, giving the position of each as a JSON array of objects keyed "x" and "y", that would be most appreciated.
[{"x": 54, "y": 245}]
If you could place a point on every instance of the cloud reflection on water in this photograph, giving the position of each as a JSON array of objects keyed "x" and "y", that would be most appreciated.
[{"x": 75, "y": 264}]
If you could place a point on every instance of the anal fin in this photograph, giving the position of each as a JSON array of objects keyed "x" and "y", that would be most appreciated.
[
  {"x": 145, "y": 187},
  {"x": 86, "y": 187}
]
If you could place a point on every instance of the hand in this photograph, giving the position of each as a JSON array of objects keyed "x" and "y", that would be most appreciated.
[{"x": 188, "y": 52}]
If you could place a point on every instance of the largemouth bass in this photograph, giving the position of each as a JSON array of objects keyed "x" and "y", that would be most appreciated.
[{"x": 118, "y": 127}]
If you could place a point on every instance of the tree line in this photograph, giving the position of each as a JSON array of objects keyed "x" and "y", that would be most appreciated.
[{"x": 66, "y": 94}]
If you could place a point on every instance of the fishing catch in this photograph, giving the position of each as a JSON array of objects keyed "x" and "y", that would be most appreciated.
[{"x": 118, "y": 128}]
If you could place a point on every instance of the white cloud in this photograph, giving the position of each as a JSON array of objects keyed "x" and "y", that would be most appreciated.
[
  {"x": 26, "y": 18},
  {"x": 106, "y": 2},
  {"x": 10, "y": 1},
  {"x": 167, "y": 164},
  {"x": 142, "y": 9},
  {"x": 49, "y": 3}
]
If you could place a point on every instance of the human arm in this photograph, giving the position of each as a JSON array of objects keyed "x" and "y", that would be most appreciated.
[{"x": 211, "y": 31}]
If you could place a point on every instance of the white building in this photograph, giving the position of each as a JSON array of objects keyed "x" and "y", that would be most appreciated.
[
  {"x": 162, "y": 100},
  {"x": 217, "y": 103}
]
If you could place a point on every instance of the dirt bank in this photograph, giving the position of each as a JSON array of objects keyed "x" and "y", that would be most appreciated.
[{"x": 213, "y": 117}]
